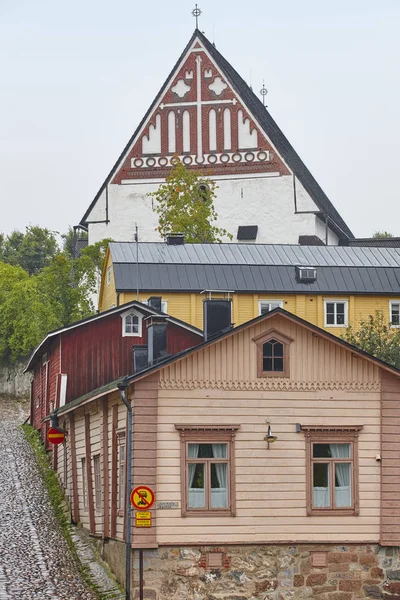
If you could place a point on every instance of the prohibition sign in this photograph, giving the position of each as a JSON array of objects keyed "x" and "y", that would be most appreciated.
[
  {"x": 55, "y": 436},
  {"x": 142, "y": 497}
]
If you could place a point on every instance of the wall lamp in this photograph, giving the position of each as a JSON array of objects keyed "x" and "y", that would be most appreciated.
[{"x": 269, "y": 438}]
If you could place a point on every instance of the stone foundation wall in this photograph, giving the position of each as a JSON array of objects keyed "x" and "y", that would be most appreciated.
[
  {"x": 13, "y": 382},
  {"x": 321, "y": 572}
]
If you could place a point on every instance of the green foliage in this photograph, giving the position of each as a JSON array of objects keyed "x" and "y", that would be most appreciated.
[
  {"x": 185, "y": 204},
  {"x": 32, "y": 250},
  {"x": 382, "y": 235},
  {"x": 54, "y": 296},
  {"x": 375, "y": 336}
]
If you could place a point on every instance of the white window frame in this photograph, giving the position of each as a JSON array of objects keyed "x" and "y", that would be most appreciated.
[
  {"x": 260, "y": 302},
  {"x": 391, "y": 302},
  {"x": 109, "y": 275},
  {"x": 140, "y": 319},
  {"x": 346, "y": 312}
]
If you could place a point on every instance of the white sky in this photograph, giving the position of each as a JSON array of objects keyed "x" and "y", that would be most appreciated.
[{"x": 78, "y": 76}]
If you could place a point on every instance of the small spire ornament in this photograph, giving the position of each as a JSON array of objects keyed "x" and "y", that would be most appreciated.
[
  {"x": 196, "y": 12},
  {"x": 263, "y": 93}
]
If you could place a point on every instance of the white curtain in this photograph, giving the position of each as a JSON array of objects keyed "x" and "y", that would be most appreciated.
[
  {"x": 219, "y": 496},
  {"x": 196, "y": 497},
  {"x": 343, "y": 490}
]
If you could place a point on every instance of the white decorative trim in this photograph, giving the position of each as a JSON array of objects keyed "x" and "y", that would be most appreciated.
[
  {"x": 272, "y": 384},
  {"x": 199, "y": 112},
  {"x": 181, "y": 88},
  {"x": 140, "y": 322},
  {"x": 214, "y": 178}
]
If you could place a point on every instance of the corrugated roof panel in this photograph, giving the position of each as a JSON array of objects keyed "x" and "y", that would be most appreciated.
[
  {"x": 255, "y": 254},
  {"x": 256, "y": 278}
]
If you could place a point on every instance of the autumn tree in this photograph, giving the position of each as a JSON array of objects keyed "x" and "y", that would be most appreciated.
[
  {"x": 185, "y": 204},
  {"x": 376, "y": 336}
]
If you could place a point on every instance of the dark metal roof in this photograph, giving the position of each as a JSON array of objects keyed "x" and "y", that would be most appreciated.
[
  {"x": 247, "y": 232},
  {"x": 310, "y": 240},
  {"x": 266, "y": 122},
  {"x": 393, "y": 242},
  {"x": 255, "y": 278},
  {"x": 253, "y": 254}
]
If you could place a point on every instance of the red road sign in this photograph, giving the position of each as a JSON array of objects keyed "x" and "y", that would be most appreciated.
[
  {"x": 55, "y": 436},
  {"x": 142, "y": 497}
]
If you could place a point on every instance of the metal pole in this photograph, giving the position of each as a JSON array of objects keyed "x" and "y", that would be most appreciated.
[
  {"x": 122, "y": 388},
  {"x": 140, "y": 574}
]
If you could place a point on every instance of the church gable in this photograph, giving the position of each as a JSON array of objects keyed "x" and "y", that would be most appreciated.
[{"x": 201, "y": 119}]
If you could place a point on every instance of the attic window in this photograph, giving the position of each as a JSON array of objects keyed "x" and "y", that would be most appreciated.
[
  {"x": 272, "y": 354},
  {"x": 247, "y": 232},
  {"x": 131, "y": 324},
  {"x": 306, "y": 274}
]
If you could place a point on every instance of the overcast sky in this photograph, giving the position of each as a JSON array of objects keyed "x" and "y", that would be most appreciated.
[{"x": 78, "y": 76}]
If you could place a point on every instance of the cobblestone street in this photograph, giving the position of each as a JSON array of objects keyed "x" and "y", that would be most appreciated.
[{"x": 35, "y": 561}]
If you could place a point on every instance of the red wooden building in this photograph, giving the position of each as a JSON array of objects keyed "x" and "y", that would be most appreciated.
[{"x": 84, "y": 356}]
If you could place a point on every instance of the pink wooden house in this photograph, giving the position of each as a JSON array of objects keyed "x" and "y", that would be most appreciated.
[{"x": 273, "y": 450}]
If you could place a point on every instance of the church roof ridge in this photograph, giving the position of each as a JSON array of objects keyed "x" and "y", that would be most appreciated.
[{"x": 267, "y": 124}]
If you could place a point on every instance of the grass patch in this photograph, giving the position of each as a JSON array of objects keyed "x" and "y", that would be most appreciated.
[{"x": 58, "y": 503}]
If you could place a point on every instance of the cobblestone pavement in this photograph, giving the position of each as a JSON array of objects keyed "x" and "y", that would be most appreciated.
[{"x": 35, "y": 561}]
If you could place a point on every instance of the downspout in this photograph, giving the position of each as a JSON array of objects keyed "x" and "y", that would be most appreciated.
[{"x": 122, "y": 388}]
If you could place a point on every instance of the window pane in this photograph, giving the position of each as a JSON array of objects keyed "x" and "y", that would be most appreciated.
[
  {"x": 219, "y": 485},
  {"x": 265, "y": 307},
  {"x": 331, "y": 450},
  {"x": 196, "y": 480},
  {"x": 267, "y": 364},
  {"x": 321, "y": 488},
  {"x": 278, "y": 364},
  {"x": 267, "y": 349},
  {"x": 330, "y": 308},
  {"x": 340, "y": 312},
  {"x": 343, "y": 485},
  {"x": 205, "y": 450},
  {"x": 278, "y": 349}
]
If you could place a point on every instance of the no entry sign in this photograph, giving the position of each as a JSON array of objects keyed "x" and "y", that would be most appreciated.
[{"x": 55, "y": 436}]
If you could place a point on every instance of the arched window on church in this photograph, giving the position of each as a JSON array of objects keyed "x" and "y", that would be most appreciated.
[
  {"x": 212, "y": 128},
  {"x": 171, "y": 132},
  {"x": 227, "y": 130},
  {"x": 186, "y": 131}
]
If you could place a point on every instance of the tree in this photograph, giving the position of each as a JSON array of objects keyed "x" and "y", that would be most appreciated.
[
  {"x": 375, "y": 336},
  {"x": 32, "y": 250},
  {"x": 185, "y": 204},
  {"x": 382, "y": 235}
]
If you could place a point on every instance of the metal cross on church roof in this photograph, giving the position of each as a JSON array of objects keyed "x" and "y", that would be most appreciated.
[{"x": 196, "y": 12}]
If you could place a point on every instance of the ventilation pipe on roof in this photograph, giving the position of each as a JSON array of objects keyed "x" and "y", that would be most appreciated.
[
  {"x": 175, "y": 239},
  {"x": 156, "y": 339},
  {"x": 217, "y": 317}
]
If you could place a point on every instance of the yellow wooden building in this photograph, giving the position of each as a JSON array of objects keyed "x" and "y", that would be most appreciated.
[{"x": 329, "y": 286}]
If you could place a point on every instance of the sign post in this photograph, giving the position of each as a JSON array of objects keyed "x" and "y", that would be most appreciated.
[{"x": 142, "y": 498}]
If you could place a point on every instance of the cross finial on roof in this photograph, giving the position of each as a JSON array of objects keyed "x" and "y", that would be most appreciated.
[
  {"x": 196, "y": 12},
  {"x": 263, "y": 92}
]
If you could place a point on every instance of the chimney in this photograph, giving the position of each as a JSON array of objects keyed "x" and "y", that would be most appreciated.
[
  {"x": 155, "y": 302},
  {"x": 156, "y": 338},
  {"x": 140, "y": 360},
  {"x": 175, "y": 239},
  {"x": 217, "y": 317}
]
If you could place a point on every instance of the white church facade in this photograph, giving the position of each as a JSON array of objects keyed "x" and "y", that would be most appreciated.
[{"x": 207, "y": 115}]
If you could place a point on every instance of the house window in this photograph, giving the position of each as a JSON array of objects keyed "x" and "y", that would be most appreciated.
[
  {"x": 394, "y": 310},
  {"x": 332, "y": 470},
  {"x": 132, "y": 324},
  {"x": 207, "y": 469},
  {"x": 84, "y": 483},
  {"x": 97, "y": 481},
  {"x": 265, "y": 306},
  {"x": 336, "y": 312},
  {"x": 164, "y": 305},
  {"x": 108, "y": 275},
  {"x": 273, "y": 354},
  {"x": 121, "y": 472}
]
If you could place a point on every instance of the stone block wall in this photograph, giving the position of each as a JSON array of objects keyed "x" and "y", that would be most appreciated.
[{"x": 321, "y": 572}]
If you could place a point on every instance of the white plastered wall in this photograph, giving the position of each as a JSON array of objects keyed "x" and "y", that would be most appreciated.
[{"x": 264, "y": 201}]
